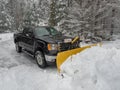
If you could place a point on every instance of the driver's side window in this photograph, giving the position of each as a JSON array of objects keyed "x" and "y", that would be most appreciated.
[
  {"x": 25, "y": 31},
  {"x": 28, "y": 32}
]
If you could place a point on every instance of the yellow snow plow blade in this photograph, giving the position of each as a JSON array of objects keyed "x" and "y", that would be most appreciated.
[{"x": 62, "y": 56}]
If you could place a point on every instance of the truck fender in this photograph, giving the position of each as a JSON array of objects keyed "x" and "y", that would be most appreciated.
[{"x": 38, "y": 47}]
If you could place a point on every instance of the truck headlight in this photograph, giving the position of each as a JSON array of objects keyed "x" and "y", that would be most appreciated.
[{"x": 52, "y": 47}]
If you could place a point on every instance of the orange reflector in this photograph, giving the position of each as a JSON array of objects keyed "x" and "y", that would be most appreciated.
[{"x": 49, "y": 46}]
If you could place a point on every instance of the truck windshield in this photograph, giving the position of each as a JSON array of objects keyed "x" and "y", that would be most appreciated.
[{"x": 46, "y": 31}]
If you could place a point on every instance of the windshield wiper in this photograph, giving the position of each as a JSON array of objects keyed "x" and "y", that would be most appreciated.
[
  {"x": 58, "y": 34},
  {"x": 46, "y": 35}
]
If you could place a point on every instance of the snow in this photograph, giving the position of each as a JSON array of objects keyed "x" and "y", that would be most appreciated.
[
  {"x": 5, "y": 36},
  {"x": 25, "y": 77},
  {"x": 96, "y": 68}
]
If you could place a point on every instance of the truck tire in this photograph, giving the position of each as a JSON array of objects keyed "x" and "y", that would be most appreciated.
[
  {"x": 18, "y": 48},
  {"x": 40, "y": 59}
]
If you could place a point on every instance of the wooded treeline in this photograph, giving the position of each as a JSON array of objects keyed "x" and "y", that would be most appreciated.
[{"x": 96, "y": 17}]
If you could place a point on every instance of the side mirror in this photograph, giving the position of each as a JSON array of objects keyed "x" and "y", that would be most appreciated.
[
  {"x": 30, "y": 35},
  {"x": 27, "y": 35}
]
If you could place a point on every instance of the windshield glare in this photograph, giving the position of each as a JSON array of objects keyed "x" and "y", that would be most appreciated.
[{"x": 46, "y": 31}]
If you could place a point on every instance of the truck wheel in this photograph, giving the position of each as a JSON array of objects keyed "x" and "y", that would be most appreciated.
[
  {"x": 18, "y": 48},
  {"x": 40, "y": 59}
]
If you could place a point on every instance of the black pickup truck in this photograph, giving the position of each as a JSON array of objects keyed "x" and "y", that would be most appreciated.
[{"x": 43, "y": 43}]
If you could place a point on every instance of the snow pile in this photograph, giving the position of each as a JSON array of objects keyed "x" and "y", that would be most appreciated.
[
  {"x": 6, "y": 36},
  {"x": 96, "y": 68}
]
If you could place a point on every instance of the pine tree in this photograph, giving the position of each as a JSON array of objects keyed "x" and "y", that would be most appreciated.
[
  {"x": 52, "y": 18},
  {"x": 5, "y": 18},
  {"x": 37, "y": 14}
]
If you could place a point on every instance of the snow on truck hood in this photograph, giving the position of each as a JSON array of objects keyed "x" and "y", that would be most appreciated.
[{"x": 96, "y": 68}]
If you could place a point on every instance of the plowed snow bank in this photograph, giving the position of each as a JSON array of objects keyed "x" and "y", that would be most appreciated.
[{"x": 96, "y": 68}]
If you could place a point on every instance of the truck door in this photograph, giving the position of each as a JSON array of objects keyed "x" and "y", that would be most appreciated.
[
  {"x": 30, "y": 40},
  {"x": 23, "y": 38}
]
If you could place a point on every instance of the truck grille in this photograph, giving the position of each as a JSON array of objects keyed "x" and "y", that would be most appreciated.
[{"x": 64, "y": 46}]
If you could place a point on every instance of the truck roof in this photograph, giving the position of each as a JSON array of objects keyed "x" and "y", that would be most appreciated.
[{"x": 36, "y": 26}]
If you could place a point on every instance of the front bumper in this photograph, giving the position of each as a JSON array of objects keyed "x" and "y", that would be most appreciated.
[{"x": 50, "y": 59}]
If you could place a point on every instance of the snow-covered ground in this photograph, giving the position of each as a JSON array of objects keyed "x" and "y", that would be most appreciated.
[
  {"x": 5, "y": 36},
  {"x": 96, "y": 68}
]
